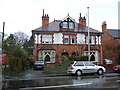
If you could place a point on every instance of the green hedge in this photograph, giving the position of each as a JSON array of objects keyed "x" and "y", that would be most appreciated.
[{"x": 63, "y": 66}]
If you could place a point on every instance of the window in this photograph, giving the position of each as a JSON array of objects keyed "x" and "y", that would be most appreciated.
[
  {"x": 40, "y": 55},
  {"x": 46, "y": 39},
  {"x": 91, "y": 39},
  {"x": 73, "y": 39},
  {"x": 71, "y": 25},
  {"x": 88, "y": 64},
  {"x": 69, "y": 39},
  {"x": 65, "y": 25},
  {"x": 66, "y": 39},
  {"x": 79, "y": 64}
]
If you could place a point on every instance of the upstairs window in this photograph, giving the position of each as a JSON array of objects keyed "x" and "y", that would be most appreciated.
[
  {"x": 65, "y": 25},
  {"x": 73, "y": 39},
  {"x": 46, "y": 39},
  {"x": 66, "y": 39},
  {"x": 70, "y": 39},
  {"x": 71, "y": 25},
  {"x": 91, "y": 40}
]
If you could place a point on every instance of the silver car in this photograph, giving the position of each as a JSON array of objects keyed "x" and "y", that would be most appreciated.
[{"x": 80, "y": 67}]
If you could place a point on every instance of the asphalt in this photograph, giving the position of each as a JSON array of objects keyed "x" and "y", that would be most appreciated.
[{"x": 31, "y": 74}]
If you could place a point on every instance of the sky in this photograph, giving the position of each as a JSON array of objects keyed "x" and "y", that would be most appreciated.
[{"x": 25, "y": 15}]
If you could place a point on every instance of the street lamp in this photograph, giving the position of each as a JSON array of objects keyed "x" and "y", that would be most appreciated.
[{"x": 88, "y": 37}]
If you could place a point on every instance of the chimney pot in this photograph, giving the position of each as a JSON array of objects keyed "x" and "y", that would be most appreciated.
[
  {"x": 104, "y": 26},
  {"x": 45, "y": 19},
  {"x": 82, "y": 21}
]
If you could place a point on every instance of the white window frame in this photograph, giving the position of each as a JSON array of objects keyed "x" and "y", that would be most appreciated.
[
  {"x": 46, "y": 39},
  {"x": 65, "y": 24},
  {"x": 71, "y": 25},
  {"x": 71, "y": 38},
  {"x": 91, "y": 40},
  {"x": 66, "y": 37}
]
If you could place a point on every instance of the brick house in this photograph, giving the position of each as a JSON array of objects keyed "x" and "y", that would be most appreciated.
[
  {"x": 65, "y": 37},
  {"x": 110, "y": 43}
]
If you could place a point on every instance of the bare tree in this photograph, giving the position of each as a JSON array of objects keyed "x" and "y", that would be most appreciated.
[{"x": 20, "y": 38}]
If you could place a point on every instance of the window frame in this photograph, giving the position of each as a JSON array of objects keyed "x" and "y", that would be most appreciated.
[
  {"x": 71, "y": 38},
  {"x": 47, "y": 39},
  {"x": 65, "y": 40}
]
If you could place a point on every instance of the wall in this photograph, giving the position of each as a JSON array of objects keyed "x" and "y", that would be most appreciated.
[
  {"x": 58, "y": 39},
  {"x": 68, "y": 48},
  {"x": 109, "y": 45}
]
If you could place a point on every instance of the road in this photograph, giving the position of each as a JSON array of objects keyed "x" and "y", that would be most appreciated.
[{"x": 35, "y": 80}]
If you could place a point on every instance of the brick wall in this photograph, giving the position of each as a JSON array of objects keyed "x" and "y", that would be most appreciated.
[
  {"x": 61, "y": 48},
  {"x": 110, "y": 47}
]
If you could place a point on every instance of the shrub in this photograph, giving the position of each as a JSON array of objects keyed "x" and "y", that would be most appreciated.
[
  {"x": 63, "y": 66},
  {"x": 84, "y": 58}
]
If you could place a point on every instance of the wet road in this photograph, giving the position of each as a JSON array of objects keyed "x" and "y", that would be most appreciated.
[{"x": 36, "y": 80}]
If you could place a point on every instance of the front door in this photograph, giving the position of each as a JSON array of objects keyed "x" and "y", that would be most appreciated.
[{"x": 47, "y": 58}]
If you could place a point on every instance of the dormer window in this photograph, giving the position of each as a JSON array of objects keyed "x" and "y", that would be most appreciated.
[
  {"x": 71, "y": 25},
  {"x": 65, "y": 25},
  {"x": 68, "y": 23}
]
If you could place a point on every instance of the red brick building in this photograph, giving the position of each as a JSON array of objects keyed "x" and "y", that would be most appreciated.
[
  {"x": 111, "y": 43},
  {"x": 65, "y": 37}
]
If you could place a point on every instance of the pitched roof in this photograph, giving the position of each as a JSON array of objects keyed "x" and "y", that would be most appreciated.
[
  {"x": 115, "y": 33},
  {"x": 54, "y": 27}
]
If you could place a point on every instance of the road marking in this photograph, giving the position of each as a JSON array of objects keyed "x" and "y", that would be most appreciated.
[{"x": 54, "y": 86}]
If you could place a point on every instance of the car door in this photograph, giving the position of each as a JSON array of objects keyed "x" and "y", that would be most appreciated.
[
  {"x": 79, "y": 65},
  {"x": 89, "y": 67}
]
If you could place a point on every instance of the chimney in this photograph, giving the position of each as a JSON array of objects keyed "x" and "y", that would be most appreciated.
[
  {"x": 45, "y": 19},
  {"x": 104, "y": 26},
  {"x": 82, "y": 21}
]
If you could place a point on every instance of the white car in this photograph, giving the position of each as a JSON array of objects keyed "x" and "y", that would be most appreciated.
[{"x": 80, "y": 67}]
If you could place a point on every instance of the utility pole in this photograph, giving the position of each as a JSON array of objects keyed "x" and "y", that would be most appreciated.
[
  {"x": 88, "y": 37},
  {"x": 3, "y": 31},
  {"x": 3, "y": 39}
]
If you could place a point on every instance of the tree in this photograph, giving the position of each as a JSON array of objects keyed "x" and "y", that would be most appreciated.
[
  {"x": 28, "y": 45},
  {"x": 18, "y": 58},
  {"x": 20, "y": 38}
]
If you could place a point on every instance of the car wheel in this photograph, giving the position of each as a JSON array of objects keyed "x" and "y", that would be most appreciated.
[
  {"x": 100, "y": 72},
  {"x": 78, "y": 73}
]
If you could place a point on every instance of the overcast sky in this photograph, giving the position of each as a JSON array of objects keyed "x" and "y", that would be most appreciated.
[{"x": 25, "y": 15}]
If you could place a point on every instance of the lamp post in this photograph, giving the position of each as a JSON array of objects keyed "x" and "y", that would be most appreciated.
[
  {"x": 88, "y": 37},
  {"x": 3, "y": 31}
]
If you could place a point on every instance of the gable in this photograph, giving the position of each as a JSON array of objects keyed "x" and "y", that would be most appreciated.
[{"x": 67, "y": 23}]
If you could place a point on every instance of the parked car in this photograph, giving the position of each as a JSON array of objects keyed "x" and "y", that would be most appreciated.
[
  {"x": 80, "y": 67},
  {"x": 107, "y": 61},
  {"x": 116, "y": 68},
  {"x": 39, "y": 65}
]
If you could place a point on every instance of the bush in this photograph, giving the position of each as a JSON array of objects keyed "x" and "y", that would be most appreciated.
[
  {"x": 63, "y": 66},
  {"x": 18, "y": 59},
  {"x": 118, "y": 60},
  {"x": 84, "y": 58}
]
